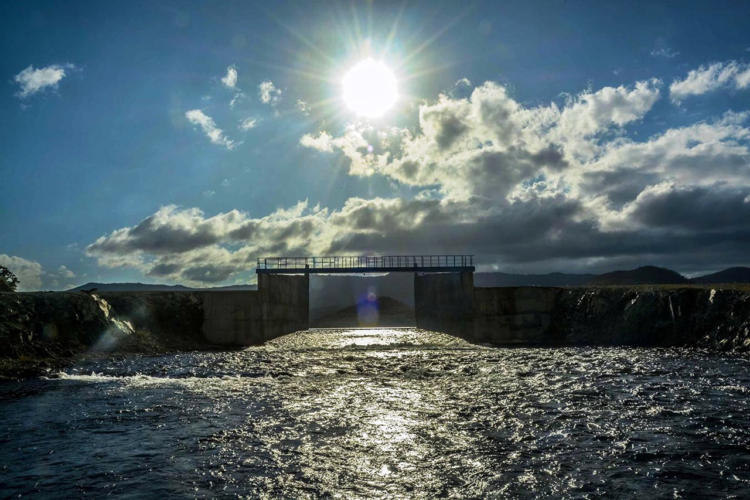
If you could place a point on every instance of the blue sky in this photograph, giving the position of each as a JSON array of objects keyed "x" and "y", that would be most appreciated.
[{"x": 607, "y": 136}]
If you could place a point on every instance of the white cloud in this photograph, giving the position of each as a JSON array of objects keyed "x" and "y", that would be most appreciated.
[
  {"x": 323, "y": 141},
  {"x": 303, "y": 107},
  {"x": 592, "y": 112},
  {"x": 268, "y": 93},
  {"x": 742, "y": 79},
  {"x": 458, "y": 138},
  {"x": 64, "y": 272},
  {"x": 207, "y": 124},
  {"x": 709, "y": 78},
  {"x": 33, "y": 80},
  {"x": 248, "y": 123},
  {"x": 237, "y": 98},
  {"x": 32, "y": 276},
  {"x": 230, "y": 79},
  {"x": 28, "y": 272}
]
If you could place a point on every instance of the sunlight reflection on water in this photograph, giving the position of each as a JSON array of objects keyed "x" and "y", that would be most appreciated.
[{"x": 372, "y": 336}]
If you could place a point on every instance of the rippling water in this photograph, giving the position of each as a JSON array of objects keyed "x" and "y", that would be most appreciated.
[{"x": 384, "y": 413}]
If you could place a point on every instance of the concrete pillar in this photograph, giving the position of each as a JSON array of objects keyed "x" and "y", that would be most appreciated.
[
  {"x": 444, "y": 302},
  {"x": 285, "y": 302}
]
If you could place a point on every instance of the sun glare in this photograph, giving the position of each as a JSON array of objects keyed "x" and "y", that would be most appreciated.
[{"x": 370, "y": 88}]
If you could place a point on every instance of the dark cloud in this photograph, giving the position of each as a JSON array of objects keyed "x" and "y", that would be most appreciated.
[
  {"x": 695, "y": 208},
  {"x": 208, "y": 273}
]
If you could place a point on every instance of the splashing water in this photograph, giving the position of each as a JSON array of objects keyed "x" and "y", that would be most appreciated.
[{"x": 363, "y": 413}]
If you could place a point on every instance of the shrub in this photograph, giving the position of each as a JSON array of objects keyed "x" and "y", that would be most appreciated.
[{"x": 8, "y": 280}]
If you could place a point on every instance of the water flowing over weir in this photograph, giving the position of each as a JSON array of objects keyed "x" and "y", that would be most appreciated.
[{"x": 362, "y": 413}]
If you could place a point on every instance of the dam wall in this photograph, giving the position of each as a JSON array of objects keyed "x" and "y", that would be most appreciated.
[
  {"x": 279, "y": 306},
  {"x": 514, "y": 315},
  {"x": 233, "y": 317},
  {"x": 444, "y": 302},
  {"x": 285, "y": 303},
  {"x": 39, "y": 329},
  {"x": 636, "y": 316}
]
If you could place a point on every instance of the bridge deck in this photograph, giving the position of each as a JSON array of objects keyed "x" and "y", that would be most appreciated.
[{"x": 366, "y": 264}]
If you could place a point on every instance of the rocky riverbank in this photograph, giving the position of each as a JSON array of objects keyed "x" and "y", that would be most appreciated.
[
  {"x": 714, "y": 318},
  {"x": 41, "y": 331},
  {"x": 633, "y": 316}
]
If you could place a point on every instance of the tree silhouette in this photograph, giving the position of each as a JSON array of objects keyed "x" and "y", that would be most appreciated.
[{"x": 8, "y": 280}]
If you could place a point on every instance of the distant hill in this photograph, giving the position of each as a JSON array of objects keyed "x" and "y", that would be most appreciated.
[
  {"x": 330, "y": 293},
  {"x": 646, "y": 275},
  {"x": 146, "y": 287},
  {"x": 389, "y": 312},
  {"x": 551, "y": 279},
  {"x": 731, "y": 275}
]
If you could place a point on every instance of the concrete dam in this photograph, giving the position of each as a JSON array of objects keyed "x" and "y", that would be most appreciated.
[
  {"x": 446, "y": 300},
  {"x": 45, "y": 327}
]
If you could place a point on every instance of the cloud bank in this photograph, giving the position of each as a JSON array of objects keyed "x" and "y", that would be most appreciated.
[{"x": 557, "y": 186}]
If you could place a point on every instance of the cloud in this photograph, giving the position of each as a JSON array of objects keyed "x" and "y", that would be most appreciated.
[
  {"x": 64, "y": 272},
  {"x": 207, "y": 124},
  {"x": 33, "y": 80},
  {"x": 230, "y": 79},
  {"x": 32, "y": 276},
  {"x": 248, "y": 123},
  {"x": 186, "y": 245},
  {"x": 28, "y": 272},
  {"x": 489, "y": 136},
  {"x": 237, "y": 98},
  {"x": 701, "y": 208},
  {"x": 556, "y": 186},
  {"x": 322, "y": 142},
  {"x": 303, "y": 107},
  {"x": 742, "y": 79},
  {"x": 709, "y": 78},
  {"x": 268, "y": 93},
  {"x": 664, "y": 52}
]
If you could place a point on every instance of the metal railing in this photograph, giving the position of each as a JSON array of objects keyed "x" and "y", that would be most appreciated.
[{"x": 357, "y": 262}]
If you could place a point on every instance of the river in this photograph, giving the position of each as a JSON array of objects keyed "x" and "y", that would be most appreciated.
[{"x": 363, "y": 413}]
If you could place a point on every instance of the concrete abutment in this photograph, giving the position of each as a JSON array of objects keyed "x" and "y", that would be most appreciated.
[
  {"x": 279, "y": 306},
  {"x": 445, "y": 302}
]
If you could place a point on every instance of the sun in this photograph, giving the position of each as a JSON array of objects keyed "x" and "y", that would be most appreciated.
[{"x": 370, "y": 88}]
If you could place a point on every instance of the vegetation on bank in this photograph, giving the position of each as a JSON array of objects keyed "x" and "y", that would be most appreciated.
[{"x": 8, "y": 280}]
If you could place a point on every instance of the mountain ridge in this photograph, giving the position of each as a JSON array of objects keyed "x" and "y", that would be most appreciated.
[
  {"x": 153, "y": 287},
  {"x": 644, "y": 275}
]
